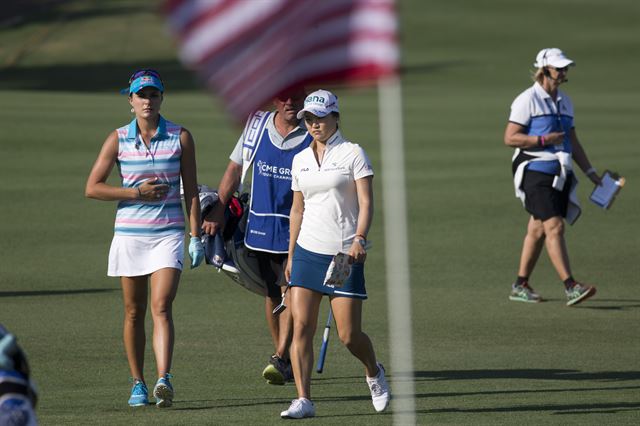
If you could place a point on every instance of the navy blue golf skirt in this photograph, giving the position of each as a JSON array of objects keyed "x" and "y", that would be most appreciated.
[{"x": 309, "y": 269}]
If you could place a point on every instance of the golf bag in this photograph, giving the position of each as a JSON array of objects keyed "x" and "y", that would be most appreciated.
[
  {"x": 18, "y": 396},
  {"x": 227, "y": 252},
  {"x": 238, "y": 262}
]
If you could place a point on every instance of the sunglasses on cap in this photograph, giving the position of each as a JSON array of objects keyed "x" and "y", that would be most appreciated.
[{"x": 143, "y": 72}]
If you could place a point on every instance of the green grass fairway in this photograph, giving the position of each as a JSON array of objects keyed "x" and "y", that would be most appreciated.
[{"x": 479, "y": 359}]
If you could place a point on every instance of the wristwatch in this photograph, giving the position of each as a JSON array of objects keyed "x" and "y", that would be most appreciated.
[{"x": 361, "y": 241}]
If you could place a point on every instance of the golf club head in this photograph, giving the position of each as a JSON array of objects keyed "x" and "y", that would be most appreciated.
[{"x": 279, "y": 309}]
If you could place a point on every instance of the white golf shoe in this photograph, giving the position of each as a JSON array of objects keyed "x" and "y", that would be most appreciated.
[
  {"x": 299, "y": 409},
  {"x": 380, "y": 394}
]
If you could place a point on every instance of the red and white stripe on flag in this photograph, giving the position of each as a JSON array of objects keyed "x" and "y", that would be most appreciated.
[{"x": 249, "y": 51}]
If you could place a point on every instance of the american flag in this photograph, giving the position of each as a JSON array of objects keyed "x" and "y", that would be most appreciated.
[{"x": 249, "y": 51}]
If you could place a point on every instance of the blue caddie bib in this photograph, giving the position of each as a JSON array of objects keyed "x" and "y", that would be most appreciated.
[{"x": 271, "y": 196}]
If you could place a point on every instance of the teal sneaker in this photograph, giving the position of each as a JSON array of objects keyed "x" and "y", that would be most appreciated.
[
  {"x": 524, "y": 293},
  {"x": 163, "y": 391},
  {"x": 139, "y": 394},
  {"x": 579, "y": 293}
]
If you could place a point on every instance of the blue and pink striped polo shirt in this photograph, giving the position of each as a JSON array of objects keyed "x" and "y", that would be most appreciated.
[{"x": 138, "y": 163}]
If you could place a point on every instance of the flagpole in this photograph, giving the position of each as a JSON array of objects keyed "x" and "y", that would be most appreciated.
[{"x": 396, "y": 250}]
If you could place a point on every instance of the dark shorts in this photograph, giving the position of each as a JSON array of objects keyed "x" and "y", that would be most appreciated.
[
  {"x": 271, "y": 270},
  {"x": 309, "y": 269},
  {"x": 541, "y": 200}
]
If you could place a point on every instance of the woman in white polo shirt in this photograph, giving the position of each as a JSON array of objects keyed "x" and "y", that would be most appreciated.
[{"x": 331, "y": 213}]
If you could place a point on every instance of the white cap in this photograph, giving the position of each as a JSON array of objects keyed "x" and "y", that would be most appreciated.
[
  {"x": 552, "y": 57},
  {"x": 319, "y": 103}
]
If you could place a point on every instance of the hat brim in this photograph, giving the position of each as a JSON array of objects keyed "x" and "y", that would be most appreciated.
[
  {"x": 142, "y": 86},
  {"x": 561, "y": 62},
  {"x": 318, "y": 112},
  {"x": 130, "y": 90},
  {"x": 142, "y": 82}
]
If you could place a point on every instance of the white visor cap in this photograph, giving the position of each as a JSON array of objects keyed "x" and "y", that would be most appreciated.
[
  {"x": 319, "y": 103},
  {"x": 552, "y": 57}
]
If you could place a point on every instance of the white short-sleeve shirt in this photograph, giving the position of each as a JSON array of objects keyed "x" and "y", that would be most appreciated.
[
  {"x": 331, "y": 207},
  {"x": 536, "y": 110}
]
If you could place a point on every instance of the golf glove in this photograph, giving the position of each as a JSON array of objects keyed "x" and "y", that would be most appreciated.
[{"x": 196, "y": 251}]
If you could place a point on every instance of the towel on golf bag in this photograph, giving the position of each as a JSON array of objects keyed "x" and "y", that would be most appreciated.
[
  {"x": 214, "y": 252},
  {"x": 208, "y": 199}
]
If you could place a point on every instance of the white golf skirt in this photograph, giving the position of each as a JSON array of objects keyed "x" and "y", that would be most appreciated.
[{"x": 133, "y": 256}]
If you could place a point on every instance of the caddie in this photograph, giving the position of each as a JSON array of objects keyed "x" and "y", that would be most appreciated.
[{"x": 266, "y": 147}]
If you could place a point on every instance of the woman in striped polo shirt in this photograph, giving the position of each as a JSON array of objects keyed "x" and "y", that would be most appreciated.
[{"x": 152, "y": 155}]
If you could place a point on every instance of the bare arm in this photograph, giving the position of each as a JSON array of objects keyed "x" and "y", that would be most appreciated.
[
  {"x": 515, "y": 137},
  {"x": 295, "y": 222},
  {"x": 228, "y": 185},
  {"x": 189, "y": 181},
  {"x": 97, "y": 186},
  {"x": 581, "y": 159},
  {"x": 230, "y": 181},
  {"x": 364, "y": 190}
]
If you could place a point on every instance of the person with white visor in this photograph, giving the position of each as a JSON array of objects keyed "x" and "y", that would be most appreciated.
[
  {"x": 542, "y": 131},
  {"x": 331, "y": 214}
]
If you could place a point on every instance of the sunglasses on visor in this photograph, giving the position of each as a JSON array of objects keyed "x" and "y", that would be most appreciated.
[{"x": 141, "y": 73}]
